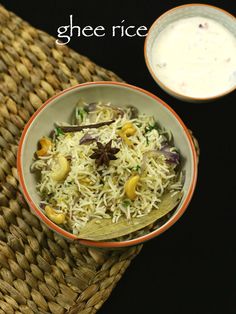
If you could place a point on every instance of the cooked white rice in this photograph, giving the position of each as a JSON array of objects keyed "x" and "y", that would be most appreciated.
[{"x": 89, "y": 191}]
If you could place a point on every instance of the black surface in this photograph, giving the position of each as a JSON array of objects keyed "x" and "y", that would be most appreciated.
[{"x": 191, "y": 267}]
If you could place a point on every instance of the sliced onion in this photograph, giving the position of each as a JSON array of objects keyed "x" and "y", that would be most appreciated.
[
  {"x": 91, "y": 107},
  {"x": 133, "y": 112},
  {"x": 116, "y": 110},
  {"x": 42, "y": 205},
  {"x": 171, "y": 156},
  {"x": 93, "y": 110},
  {"x": 87, "y": 139}
]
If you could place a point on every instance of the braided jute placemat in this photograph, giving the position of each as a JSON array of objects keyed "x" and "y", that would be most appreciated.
[{"x": 40, "y": 272}]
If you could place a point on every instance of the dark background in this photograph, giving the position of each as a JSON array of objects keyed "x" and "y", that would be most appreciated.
[{"x": 191, "y": 267}]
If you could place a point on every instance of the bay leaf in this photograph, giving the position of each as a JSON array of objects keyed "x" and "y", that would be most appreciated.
[{"x": 104, "y": 229}]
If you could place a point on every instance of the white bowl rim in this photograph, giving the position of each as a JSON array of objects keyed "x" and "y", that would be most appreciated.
[{"x": 159, "y": 82}]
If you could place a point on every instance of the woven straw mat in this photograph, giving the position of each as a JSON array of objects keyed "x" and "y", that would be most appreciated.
[{"x": 40, "y": 272}]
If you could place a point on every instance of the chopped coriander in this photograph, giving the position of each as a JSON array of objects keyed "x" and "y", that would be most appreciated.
[
  {"x": 151, "y": 127},
  {"x": 147, "y": 140},
  {"x": 58, "y": 131},
  {"x": 126, "y": 203},
  {"x": 137, "y": 168},
  {"x": 81, "y": 114}
]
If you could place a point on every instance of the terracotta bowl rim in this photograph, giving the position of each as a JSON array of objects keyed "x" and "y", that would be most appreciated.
[{"x": 104, "y": 244}]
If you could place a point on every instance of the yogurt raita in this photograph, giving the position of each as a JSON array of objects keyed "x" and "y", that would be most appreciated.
[{"x": 196, "y": 57}]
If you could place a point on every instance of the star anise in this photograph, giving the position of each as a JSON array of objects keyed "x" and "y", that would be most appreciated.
[{"x": 104, "y": 153}]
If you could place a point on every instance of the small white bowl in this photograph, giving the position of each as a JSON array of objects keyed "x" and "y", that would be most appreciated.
[{"x": 182, "y": 12}]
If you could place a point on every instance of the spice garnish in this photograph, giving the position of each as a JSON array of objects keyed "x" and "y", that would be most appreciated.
[
  {"x": 77, "y": 128},
  {"x": 104, "y": 153}
]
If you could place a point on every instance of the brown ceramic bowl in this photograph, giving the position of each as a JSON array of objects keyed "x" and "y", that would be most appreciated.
[
  {"x": 177, "y": 13},
  {"x": 61, "y": 107}
]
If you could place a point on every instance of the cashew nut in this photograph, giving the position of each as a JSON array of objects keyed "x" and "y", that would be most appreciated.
[
  {"x": 58, "y": 218},
  {"x": 130, "y": 187},
  {"x": 60, "y": 169},
  {"x": 128, "y": 129},
  {"x": 125, "y": 138},
  {"x": 45, "y": 144}
]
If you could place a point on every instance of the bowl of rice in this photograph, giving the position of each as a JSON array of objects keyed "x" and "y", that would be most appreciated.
[{"x": 106, "y": 152}]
